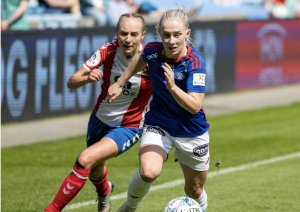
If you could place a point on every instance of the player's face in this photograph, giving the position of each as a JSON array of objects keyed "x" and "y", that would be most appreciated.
[
  {"x": 130, "y": 34},
  {"x": 174, "y": 34}
]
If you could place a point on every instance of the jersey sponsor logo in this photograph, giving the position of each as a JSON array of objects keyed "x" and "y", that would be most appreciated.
[
  {"x": 126, "y": 88},
  {"x": 199, "y": 79},
  {"x": 201, "y": 150},
  {"x": 156, "y": 130},
  {"x": 151, "y": 56},
  {"x": 94, "y": 59}
]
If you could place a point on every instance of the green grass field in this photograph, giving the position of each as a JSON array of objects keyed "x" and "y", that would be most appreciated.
[{"x": 32, "y": 174}]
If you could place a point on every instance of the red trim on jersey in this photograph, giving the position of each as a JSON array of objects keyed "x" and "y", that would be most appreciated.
[
  {"x": 134, "y": 113},
  {"x": 132, "y": 118},
  {"x": 196, "y": 62}
]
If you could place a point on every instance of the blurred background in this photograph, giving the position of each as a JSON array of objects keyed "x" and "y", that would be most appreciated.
[
  {"x": 247, "y": 44},
  {"x": 252, "y": 54}
]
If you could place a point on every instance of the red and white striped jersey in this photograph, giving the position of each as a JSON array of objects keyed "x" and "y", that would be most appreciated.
[{"x": 129, "y": 108}]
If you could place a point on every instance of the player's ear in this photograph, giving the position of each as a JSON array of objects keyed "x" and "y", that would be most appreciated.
[
  {"x": 143, "y": 34},
  {"x": 188, "y": 33}
]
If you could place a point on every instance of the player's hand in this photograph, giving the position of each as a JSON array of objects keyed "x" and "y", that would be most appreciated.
[
  {"x": 169, "y": 76},
  {"x": 113, "y": 92},
  {"x": 95, "y": 75}
]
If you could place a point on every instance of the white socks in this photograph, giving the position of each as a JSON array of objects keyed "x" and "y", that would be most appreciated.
[
  {"x": 203, "y": 201},
  {"x": 138, "y": 188}
]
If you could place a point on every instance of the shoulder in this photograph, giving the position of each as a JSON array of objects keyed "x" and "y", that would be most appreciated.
[
  {"x": 112, "y": 45},
  {"x": 153, "y": 46},
  {"x": 196, "y": 59},
  {"x": 102, "y": 54},
  {"x": 108, "y": 50}
]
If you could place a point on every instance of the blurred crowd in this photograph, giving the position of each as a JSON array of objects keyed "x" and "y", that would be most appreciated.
[{"x": 30, "y": 14}]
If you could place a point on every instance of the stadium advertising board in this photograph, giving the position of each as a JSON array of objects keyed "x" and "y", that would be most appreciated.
[
  {"x": 267, "y": 53},
  {"x": 216, "y": 41},
  {"x": 35, "y": 66}
]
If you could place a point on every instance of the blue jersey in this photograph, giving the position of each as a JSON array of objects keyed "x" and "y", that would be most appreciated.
[{"x": 165, "y": 112}]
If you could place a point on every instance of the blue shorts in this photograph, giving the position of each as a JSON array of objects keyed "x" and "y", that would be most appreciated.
[{"x": 124, "y": 137}]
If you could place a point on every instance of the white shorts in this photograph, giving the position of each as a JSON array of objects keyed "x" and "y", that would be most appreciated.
[{"x": 193, "y": 152}]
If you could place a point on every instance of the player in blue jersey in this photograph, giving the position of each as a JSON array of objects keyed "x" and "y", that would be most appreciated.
[{"x": 176, "y": 117}]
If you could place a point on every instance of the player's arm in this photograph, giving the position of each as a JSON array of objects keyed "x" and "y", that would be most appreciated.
[
  {"x": 191, "y": 102},
  {"x": 81, "y": 77},
  {"x": 135, "y": 66}
]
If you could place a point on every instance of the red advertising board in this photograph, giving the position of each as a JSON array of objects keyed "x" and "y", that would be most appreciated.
[{"x": 267, "y": 53}]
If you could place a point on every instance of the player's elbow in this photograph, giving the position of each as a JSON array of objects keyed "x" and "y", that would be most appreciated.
[
  {"x": 194, "y": 104},
  {"x": 195, "y": 109},
  {"x": 69, "y": 84}
]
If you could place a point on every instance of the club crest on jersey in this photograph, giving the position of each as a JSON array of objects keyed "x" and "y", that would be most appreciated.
[
  {"x": 179, "y": 76},
  {"x": 94, "y": 59},
  {"x": 199, "y": 79}
]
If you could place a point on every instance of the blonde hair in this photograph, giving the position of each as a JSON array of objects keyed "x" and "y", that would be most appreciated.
[{"x": 176, "y": 14}]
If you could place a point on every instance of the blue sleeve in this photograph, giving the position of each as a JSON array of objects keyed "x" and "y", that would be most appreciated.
[
  {"x": 144, "y": 56},
  {"x": 196, "y": 81},
  {"x": 145, "y": 53},
  {"x": 150, "y": 51}
]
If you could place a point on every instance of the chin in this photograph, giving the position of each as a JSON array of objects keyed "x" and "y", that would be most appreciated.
[
  {"x": 174, "y": 55},
  {"x": 128, "y": 54}
]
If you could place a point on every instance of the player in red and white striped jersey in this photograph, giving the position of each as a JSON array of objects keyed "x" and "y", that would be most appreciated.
[{"x": 112, "y": 128}]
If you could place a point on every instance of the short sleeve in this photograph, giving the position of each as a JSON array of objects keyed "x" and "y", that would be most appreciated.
[
  {"x": 196, "y": 81},
  {"x": 93, "y": 62},
  {"x": 100, "y": 55}
]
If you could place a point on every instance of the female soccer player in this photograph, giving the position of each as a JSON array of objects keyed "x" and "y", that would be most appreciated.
[
  {"x": 176, "y": 117},
  {"x": 112, "y": 128}
]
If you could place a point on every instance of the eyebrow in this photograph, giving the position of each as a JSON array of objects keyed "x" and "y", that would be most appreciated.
[
  {"x": 172, "y": 32},
  {"x": 124, "y": 31}
]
